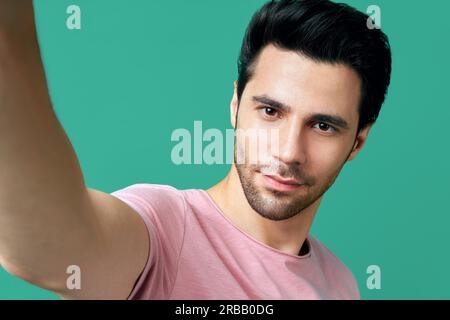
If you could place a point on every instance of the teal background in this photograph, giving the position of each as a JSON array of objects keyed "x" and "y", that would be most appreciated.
[{"x": 139, "y": 69}]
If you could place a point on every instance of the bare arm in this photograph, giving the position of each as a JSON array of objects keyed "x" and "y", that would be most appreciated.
[{"x": 49, "y": 219}]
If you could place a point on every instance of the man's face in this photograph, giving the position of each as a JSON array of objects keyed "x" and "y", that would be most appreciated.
[{"x": 313, "y": 108}]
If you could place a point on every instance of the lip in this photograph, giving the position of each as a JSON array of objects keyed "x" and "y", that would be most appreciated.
[{"x": 281, "y": 184}]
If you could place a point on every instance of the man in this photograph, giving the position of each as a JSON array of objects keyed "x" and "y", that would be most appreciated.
[{"x": 310, "y": 70}]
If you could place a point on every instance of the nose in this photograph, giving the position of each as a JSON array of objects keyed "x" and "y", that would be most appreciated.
[{"x": 292, "y": 144}]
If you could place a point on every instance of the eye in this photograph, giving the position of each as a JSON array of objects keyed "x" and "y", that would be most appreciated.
[
  {"x": 269, "y": 111},
  {"x": 325, "y": 127}
]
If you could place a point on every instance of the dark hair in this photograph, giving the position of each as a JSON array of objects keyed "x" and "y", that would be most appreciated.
[{"x": 325, "y": 32}]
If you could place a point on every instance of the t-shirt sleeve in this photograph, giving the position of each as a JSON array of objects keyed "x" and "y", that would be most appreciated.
[{"x": 163, "y": 210}]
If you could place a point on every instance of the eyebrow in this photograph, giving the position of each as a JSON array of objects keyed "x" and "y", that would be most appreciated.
[{"x": 335, "y": 120}]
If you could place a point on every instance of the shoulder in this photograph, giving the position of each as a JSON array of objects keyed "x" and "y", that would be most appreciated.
[
  {"x": 163, "y": 206},
  {"x": 336, "y": 271},
  {"x": 154, "y": 195}
]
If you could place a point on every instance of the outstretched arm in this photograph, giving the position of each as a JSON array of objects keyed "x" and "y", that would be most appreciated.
[{"x": 49, "y": 219}]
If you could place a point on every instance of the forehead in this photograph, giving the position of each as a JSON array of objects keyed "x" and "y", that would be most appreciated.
[{"x": 306, "y": 85}]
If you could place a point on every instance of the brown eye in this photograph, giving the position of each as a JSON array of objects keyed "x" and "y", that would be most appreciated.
[
  {"x": 325, "y": 127},
  {"x": 270, "y": 111}
]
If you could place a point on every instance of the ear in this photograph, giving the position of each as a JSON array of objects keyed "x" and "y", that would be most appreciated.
[
  {"x": 359, "y": 141},
  {"x": 234, "y": 106}
]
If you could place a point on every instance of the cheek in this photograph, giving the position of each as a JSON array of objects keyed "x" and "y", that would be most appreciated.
[
  {"x": 326, "y": 156},
  {"x": 256, "y": 145},
  {"x": 324, "y": 149}
]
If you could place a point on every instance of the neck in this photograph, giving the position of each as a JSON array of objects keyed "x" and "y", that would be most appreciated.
[{"x": 286, "y": 235}]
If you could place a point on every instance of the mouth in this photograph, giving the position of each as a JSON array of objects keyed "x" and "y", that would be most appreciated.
[{"x": 281, "y": 184}]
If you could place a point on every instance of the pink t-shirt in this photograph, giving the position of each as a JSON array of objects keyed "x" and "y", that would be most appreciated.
[{"x": 196, "y": 252}]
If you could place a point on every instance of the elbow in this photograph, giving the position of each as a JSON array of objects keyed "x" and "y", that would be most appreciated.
[
  {"x": 24, "y": 273},
  {"x": 16, "y": 271},
  {"x": 35, "y": 276}
]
